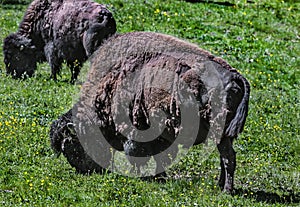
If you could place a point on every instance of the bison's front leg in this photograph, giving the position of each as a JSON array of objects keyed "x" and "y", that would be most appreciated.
[
  {"x": 228, "y": 163},
  {"x": 53, "y": 60}
]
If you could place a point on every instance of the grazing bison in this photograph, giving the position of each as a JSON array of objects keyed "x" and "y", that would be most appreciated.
[
  {"x": 56, "y": 31},
  {"x": 139, "y": 75}
]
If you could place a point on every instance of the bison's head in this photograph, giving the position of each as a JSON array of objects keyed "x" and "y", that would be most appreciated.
[
  {"x": 64, "y": 140},
  {"x": 62, "y": 130},
  {"x": 19, "y": 56}
]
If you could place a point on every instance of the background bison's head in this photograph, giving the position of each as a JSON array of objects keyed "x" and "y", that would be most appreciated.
[{"x": 19, "y": 56}]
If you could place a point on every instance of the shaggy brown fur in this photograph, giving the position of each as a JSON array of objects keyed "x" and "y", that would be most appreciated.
[
  {"x": 57, "y": 31},
  {"x": 172, "y": 64}
]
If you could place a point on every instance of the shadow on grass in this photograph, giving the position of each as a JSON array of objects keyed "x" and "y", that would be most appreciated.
[
  {"x": 211, "y": 2},
  {"x": 284, "y": 196},
  {"x": 222, "y": 3},
  {"x": 262, "y": 196}
]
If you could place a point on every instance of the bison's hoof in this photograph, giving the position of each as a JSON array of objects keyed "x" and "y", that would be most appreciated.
[{"x": 160, "y": 178}]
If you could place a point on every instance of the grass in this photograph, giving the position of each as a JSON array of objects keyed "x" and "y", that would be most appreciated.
[{"x": 260, "y": 38}]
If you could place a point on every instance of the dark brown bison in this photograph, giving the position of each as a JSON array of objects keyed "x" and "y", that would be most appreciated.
[
  {"x": 56, "y": 31},
  {"x": 148, "y": 82}
]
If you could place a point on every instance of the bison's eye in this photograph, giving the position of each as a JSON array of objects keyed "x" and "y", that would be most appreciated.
[{"x": 21, "y": 47}]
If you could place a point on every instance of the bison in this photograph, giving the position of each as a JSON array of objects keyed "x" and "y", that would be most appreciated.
[
  {"x": 56, "y": 31},
  {"x": 162, "y": 84}
]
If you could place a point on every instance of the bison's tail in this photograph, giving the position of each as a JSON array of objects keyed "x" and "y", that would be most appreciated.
[
  {"x": 237, "y": 123},
  {"x": 97, "y": 33}
]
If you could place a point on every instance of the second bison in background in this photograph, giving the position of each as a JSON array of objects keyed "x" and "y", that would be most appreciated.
[
  {"x": 145, "y": 81},
  {"x": 57, "y": 31}
]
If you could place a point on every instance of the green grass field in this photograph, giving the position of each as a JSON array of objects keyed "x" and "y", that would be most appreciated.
[{"x": 259, "y": 38}]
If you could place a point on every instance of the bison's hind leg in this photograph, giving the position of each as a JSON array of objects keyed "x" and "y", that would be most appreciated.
[{"x": 228, "y": 164}]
